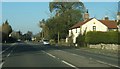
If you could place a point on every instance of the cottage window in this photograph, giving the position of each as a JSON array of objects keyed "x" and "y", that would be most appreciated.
[
  {"x": 94, "y": 28},
  {"x": 76, "y": 30}
]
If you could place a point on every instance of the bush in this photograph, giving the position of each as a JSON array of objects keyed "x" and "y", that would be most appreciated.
[
  {"x": 102, "y": 37},
  {"x": 52, "y": 42},
  {"x": 81, "y": 40}
]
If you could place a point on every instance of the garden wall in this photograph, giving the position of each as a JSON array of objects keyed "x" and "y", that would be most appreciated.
[{"x": 105, "y": 46}]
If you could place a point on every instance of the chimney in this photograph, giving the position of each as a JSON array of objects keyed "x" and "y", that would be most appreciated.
[
  {"x": 118, "y": 16},
  {"x": 86, "y": 15},
  {"x": 106, "y": 18}
]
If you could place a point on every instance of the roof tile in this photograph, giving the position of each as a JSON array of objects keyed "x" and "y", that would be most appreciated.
[
  {"x": 109, "y": 23},
  {"x": 80, "y": 23}
]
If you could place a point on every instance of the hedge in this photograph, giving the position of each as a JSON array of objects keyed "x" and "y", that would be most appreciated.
[
  {"x": 111, "y": 37},
  {"x": 81, "y": 40}
]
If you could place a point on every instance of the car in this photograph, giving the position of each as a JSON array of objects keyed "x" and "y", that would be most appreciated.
[{"x": 46, "y": 42}]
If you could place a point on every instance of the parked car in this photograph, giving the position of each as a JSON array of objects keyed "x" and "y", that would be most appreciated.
[{"x": 46, "y": 42}]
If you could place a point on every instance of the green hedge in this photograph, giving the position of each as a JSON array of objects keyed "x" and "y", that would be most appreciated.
[
  {"x": 102, "y": 37},
  {"x": 81, "y": 40}
]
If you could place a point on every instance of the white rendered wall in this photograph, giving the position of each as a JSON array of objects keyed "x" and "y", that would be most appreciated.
[
  {"x": 75, "y": 32},
  {"x": 94, "y": 22}
]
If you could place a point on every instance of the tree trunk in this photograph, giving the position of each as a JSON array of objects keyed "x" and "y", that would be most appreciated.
[
  {"x": 58, "y": 37},
  {"x": 42, "y": 35}
]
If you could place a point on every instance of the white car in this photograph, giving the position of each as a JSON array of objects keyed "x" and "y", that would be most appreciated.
[{"x": 46, "y": 42}]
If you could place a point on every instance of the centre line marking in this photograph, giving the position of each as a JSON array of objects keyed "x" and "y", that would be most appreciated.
[
  {"x": 49, "y": 54},
  {"x": 8, "y": 55},
  {"x": 8, "y": 48},
  {"x": 69, "y": 64},
  {"x": 11, "y": 51}
]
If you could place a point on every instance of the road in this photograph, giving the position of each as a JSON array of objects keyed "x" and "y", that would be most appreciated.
[{"x": 42, "y": 56}]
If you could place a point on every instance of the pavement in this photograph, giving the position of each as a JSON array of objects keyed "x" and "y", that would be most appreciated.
[{"x": 37, "y": 55}]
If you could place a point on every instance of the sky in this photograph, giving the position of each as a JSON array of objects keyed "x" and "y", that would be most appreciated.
[
  {"x": 25, "y": 16},
  {"x": 59, "y": 0}
]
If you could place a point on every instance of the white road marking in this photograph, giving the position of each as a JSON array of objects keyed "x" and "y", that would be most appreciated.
[
  {"x": 49, "y": 54},
  {"x": 75, "y": 54},
  {"x": 1, "y": 64},
  {"x": 13, "y": 43},
  {"x": 61, "y": 60},
  {"x": 11, "y": 51},
  {"x": 95, "y": 60},
  {"x": 7, "y": 48},
  {"x": 8, "y": 54},
  {"x": 77, "y": 49},
  {"x": 69, "y": 64},
  {"x": 107, "y": 63},
  {"x": 104, "y": 62}
]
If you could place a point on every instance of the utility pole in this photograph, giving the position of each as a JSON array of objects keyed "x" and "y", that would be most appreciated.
[
  {"x": 42, "y": 34},
  {"x": 43, "y": 29},
  {"x": 58, "y": 30},
  {"x": 58, "y": 37}
]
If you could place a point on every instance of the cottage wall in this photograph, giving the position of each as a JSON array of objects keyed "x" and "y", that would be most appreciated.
[
  {"x": 74, "y": 32},
  {"x": 89, "y": 26}
]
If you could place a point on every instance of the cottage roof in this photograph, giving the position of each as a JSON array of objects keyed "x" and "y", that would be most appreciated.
[
  {"x": 109, "y": 23},
  {"x": 80, "y": 23}
]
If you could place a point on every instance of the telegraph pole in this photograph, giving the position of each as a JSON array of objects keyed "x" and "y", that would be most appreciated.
[{"x": 58, "y": 30}]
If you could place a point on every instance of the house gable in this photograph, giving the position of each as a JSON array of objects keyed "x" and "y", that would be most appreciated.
[{"x": 89, "y": 26}]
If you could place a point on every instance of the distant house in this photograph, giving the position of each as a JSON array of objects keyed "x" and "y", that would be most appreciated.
[
  {"x": 118, "y": 20},
  {"x": 0, "y": 37},
  {"x": 92, "y": 24}
]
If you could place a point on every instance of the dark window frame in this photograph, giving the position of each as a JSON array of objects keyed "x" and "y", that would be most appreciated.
[
  {"x": 76, "y": 30},
  {"x": 94, "y": 28}
]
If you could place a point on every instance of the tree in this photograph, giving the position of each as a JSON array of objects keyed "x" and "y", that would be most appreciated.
[
  {"x": 61, "y": 7},
  {"x": 66, "y": 15},
  {"x": 45, "y": 29},
  {"x": 17, "y": 35},
  {"x": 27, "y": 36},
  {"x": 6, "y": 30}
]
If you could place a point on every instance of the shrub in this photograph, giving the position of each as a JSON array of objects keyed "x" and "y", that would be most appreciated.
[
  {"x": 81, "y": 40},
  {"x": 102, "y": 37},
  {"x": 52, "y": 42}
]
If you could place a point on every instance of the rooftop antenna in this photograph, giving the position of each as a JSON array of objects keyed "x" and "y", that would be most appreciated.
[
  {"x": 119, "y": 6},
  {"x": 86, "y": 10}
]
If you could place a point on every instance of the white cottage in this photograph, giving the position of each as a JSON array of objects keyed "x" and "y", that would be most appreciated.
[
  {"x": 118, "y": 20},
  {"x": 92, "y": 24}
]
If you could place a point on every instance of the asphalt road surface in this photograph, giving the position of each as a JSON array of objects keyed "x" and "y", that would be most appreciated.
[{"x": 24, "y": 55}]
